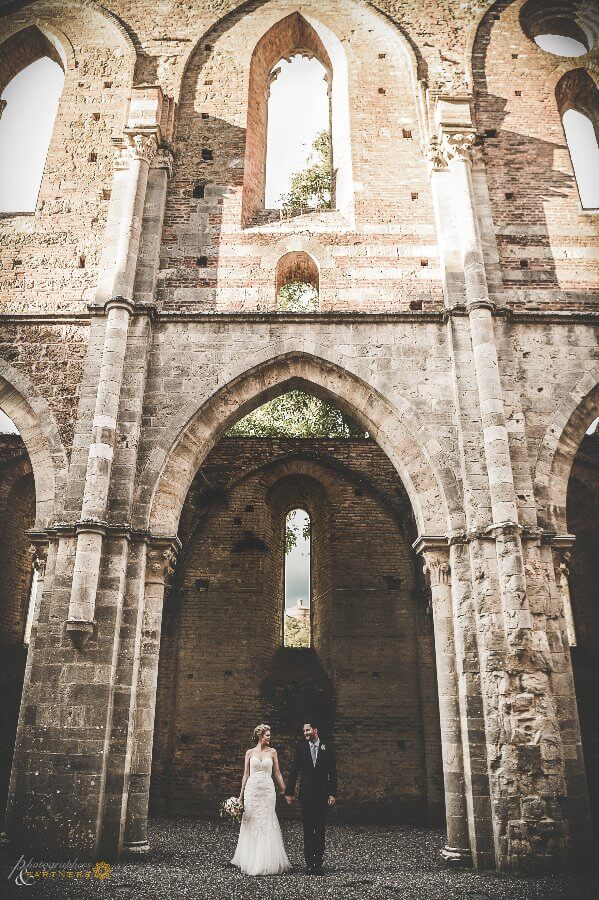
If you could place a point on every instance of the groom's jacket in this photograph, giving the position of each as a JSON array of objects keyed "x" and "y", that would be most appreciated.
[{"x": 316, "y": 782}]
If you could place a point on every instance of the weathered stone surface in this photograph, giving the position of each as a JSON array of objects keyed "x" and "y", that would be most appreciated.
[{"x": 457, "y": 324}]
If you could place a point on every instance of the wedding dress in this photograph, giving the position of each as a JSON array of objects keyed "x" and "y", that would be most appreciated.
[{"x": 260, "y": 849}]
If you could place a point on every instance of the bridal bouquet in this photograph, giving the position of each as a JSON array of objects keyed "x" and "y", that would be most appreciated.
[{"x": 231, "y": 809}]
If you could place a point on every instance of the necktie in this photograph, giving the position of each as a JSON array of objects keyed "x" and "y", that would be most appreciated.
[{"x": 313, "y": 749}]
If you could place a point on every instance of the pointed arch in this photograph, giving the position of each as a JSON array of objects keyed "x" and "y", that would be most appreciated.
[
  {"x": 414, "y": 451},
  {"x": 558, "y": 448},
  {"x": 37, "y": 426}
]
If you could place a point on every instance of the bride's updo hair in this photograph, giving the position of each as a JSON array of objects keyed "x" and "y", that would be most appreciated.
[{"x": 259, "y": 731}]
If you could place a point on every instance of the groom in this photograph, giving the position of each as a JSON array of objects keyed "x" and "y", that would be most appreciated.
[{"x": 315, "y": 762}]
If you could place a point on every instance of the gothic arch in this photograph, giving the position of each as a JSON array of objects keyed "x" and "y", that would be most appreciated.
[
  {"x": 35, "y": 421},
  {"x": 426, "y": 474},
  {"x": 558, "y": 449}
]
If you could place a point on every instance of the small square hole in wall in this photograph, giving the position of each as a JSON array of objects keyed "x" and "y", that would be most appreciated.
[
  {"x": 108, "y": 84},
  {"x": 190, "y": 676},
  {"x": 517, "y": 93},
  {"x": 81, "y": 261},
  {"x": 92, "y": 157},
  {"x": 209, "y": 81},
  {"x": 207, "y": 154},
  {"x": 524, "y": 264},
  {"x": 202, "y": 584},
  {"x": 249, "y": 508},
  {"x": 514, "y": 56},
  {"x": 237, "y": 520},
  {"x": 382, "y": 55},
  {"x": 510, "y": 195},
  {"x": 490, "y": 132},
  {"x": 424, "y": 262},
  {"x": 199, "y": 190},
  {"x": 414, "y": 195},
  {"x": 208, "y": 47},
  {"x": 382, "y": 91},
  {"x": 202, "y": 262},
  {"x": 415, "y": 304},
  {"x": 106, "y": 194},
  {"x": 401, "y": 745},
  {"x": 204, "y": 115},
  {"x": 407, "y": 133},
  {"x": 96, "y": 117}
]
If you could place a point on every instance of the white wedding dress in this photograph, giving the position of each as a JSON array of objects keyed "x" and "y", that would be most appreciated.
[{"x": 260, "y": 849}]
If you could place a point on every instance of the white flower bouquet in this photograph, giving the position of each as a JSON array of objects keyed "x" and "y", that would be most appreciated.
[{"x": 231, "y": 809}]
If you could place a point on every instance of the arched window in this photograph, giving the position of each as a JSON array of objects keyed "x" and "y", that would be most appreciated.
[
  {"x": 578, "y": 103},
  {"x": 298, "y": 148},
  {"x": 31, "y": 81},
  {"x": 297, "y": 627},
  {"x": 297, "y": 96},
  {"x": 297, "y": 283}
]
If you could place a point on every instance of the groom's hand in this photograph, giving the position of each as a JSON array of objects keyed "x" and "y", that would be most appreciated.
[
  {"x": 331, "y": 801},
  {"x": 289, "y": 799}
]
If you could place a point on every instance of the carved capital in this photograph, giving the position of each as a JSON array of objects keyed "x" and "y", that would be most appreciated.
[
  {"x": 164, "y": 159},
  {"x": 161, "y": 560},
  {"x": 39, "y": 555},
  {"x": 436, "y": 568},
  {"x": 449, "y": 146},
  {"x": 136, "y": 146}
]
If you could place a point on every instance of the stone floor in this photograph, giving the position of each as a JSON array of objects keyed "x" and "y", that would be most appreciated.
[{"x": 189, "y": 858}]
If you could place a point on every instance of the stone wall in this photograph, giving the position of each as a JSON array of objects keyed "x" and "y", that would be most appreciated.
[{"x": 457, "y": 324}]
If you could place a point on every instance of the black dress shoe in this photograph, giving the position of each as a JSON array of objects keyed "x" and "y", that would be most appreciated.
[
  {"x": 310, "y": 870},
  {"x": 318, "y": 870}
]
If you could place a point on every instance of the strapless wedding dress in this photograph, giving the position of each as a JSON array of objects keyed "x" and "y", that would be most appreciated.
[{"x": 260, "y": 849}]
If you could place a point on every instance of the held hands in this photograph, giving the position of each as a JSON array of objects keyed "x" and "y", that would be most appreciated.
[
  {"x": 289, "y": 798},
  {"x": 331, "y": 801}
]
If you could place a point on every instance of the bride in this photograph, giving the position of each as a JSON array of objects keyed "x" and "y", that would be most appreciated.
[{"x": 260, "y": 849}]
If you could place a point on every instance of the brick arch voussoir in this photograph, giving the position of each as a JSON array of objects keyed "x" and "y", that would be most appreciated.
[
  {"x": 396, "y": 426},
  {"x": 36, "y": 424},
  {"x": 558, "y": 448}
]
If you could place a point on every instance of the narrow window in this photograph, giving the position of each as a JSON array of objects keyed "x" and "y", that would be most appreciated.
[
  {"x": 584, "y": 152},
  {"x": 30, "y": 102},
  {"x": 298, "y": 148},
  {"x": 297, "y": 627}
]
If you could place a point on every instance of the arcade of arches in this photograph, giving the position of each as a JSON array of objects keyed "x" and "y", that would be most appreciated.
[{"x": 452, "y": 606}]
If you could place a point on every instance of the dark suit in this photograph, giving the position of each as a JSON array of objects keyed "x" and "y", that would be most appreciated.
[{"x": 318, "y": 783}]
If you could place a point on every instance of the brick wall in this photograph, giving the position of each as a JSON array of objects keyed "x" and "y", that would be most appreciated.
[
  {"x": 583, "y": 521},
  {"x": 222, "y": 666},
  {"x": 17, "y": 514}
]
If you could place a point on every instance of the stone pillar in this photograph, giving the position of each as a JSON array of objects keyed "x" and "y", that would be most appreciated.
[
  {"x": 525, "y": 754},
  {"x": 436, "y": 566},
  {"x": 159, "y": 567},
  {"x": 137, "y": 156}
]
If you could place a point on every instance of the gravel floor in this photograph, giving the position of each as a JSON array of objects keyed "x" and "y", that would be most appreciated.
[{"x": 189, "y": 858}]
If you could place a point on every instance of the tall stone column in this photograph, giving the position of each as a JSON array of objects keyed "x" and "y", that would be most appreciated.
[
  {"x": 159, "y": 567},
  {"x": 437, "y": 568},
  {"x": 136, "y": 157},
  {"x": 525, "y": 755}
]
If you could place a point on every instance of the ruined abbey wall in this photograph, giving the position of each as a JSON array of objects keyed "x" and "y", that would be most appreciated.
[{"x": 457, "y": 324}]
